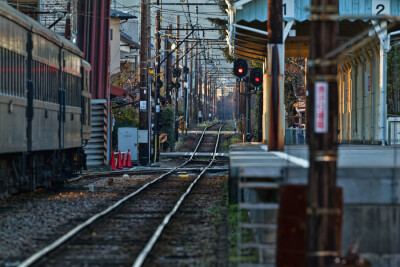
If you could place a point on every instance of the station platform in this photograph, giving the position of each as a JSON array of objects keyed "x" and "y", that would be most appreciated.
[{"x": 368, "y": 174}]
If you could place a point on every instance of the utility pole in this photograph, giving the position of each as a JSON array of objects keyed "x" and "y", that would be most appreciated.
[
  {"x": 242, "y": 106},
  {"x": 167, "y": 67},
  {"x": 196, "y": 88},
  {"x": 190, "y": 118},
  {"x": 186, "y": 95},
  {"x": 275, "y": 90},
  {"x": 68, "y": 22},
  {"x": 205, "y": 113},
  {"x": 323, "y": 210},
  {"x": 143, "y": 113},
  {"x": 260, "y": 116},
  {"x": 200, "y": 86},
  {"x": 157, "y": 87},
  {"x": 177, "y": 80}
]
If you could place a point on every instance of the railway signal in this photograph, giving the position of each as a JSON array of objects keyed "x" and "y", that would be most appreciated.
[
  {"x": 256, "y": 77},
  {"x": 176, "y": 72},
  {"x": 158, "y": 84},
  {"x": 240, "y": 68}
]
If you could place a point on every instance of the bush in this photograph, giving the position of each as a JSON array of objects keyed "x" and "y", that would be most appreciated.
[{"x": 123, "y": 117}]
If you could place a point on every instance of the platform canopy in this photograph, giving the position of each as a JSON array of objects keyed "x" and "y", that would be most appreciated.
[{"x": 248, "y": 19}]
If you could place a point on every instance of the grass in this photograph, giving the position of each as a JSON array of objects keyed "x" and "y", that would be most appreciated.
[
  {"x": 179, "y": 144},
  {"x": 225, "y": 145},
  {"x": 247, "y": 255}
]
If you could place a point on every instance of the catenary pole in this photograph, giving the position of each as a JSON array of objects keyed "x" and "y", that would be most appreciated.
[
  {"x": 157, "y": 87},
  {"x": 322, "y": 208},
  {"x": 275, "y": 70},
  {"x": 177, "y": 80},
  {"x": 143, "y": 114}
]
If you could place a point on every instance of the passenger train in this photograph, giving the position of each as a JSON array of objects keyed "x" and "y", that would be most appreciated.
[{"x": 44, "y": 104}]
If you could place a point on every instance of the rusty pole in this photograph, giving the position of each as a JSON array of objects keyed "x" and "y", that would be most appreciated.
[
  {"x": 143, "y": 114},
  {"x": 322, "y": 211},
  {"x": 177, "y": 80},
  {"x": 276, "y": 110},
  {"x": 68, "y": 22},
  {"x": 205, "y": 114},
  {"x": 200, "y": 90},
  {"x": 196, "y": 89},
  {"x": 191, "y": 95},
  {"x": 167, "y": 70},
  {"x": 157, "y": 88},
  {"x": 185, "y": 89}
]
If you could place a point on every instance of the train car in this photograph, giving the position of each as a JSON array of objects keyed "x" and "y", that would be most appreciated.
[{"x": 44, "y": 104}]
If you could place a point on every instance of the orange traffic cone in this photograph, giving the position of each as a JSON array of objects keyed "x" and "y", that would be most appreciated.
[
  {"x": 119, "y": 163},
  {"x": 123, "y": 160},
  {"x": 128, "y": 162},
  {"x": 112, "y": 162}
]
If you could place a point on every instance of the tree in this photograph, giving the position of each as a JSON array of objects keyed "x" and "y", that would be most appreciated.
[{"x": 393, "y": 96}]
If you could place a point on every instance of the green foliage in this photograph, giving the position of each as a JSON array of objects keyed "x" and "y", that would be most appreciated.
[
  {"x": 225, "y": 52},
  {"x": 123, "y": 117},
  {"x": 248, "y": 255},
  {"x": 225, "y": 145},
  {"x": 290, "y": 100},
  {"x": 256, "y": 64},
  {"x": 179, "y": 144},
  {"x": 167, "y": 120},
  {"x": 393, "y": 92},
  {"x": 221, "y": 24}
]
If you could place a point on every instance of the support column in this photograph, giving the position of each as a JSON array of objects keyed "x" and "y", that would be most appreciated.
[
  {"x": 275, "y": 79},
  {"x": 143, "y": 114},
  {"x": 196, "y": 89},
  {"x": 323, "y": 211},
  {"x": 177, "y": 80}
]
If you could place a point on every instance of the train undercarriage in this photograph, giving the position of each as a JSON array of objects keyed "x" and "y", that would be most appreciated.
[{"x": 25, "y": 172}]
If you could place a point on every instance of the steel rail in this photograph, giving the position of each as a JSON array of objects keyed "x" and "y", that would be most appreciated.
[
  {"x": 146, "y": 250},
  {"x": 36, "y": 257}
]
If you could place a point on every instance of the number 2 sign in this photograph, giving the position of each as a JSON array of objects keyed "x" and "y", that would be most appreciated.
[{"x": 380, "y": 7}]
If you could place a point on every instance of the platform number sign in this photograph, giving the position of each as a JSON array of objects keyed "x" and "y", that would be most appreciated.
[
  {"x": 288, "y": 8},
  {"x": 380, "y": 7},
  {"x": 321, "y": 107}
]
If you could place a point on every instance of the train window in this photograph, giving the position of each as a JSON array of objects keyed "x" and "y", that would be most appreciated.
[
  {"x": 14, "y": 76},
  {"x": 19, "y": 76},
  {"x": 1, "y": 70},
  {"x": 11, "y": 73},
  {"x": 7, "y": 72},
  {"x": 47, "y": 83}
]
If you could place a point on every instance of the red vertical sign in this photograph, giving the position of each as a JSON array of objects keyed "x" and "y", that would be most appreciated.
[{"x": 321, "y": 107}]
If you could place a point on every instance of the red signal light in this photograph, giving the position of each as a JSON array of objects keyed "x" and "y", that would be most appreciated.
[
  {"x": 257, "y": 79},
  {"x": 240, "y": 70}
]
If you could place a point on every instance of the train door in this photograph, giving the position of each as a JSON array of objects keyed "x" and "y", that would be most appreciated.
[{"x": 62, "y": 101}]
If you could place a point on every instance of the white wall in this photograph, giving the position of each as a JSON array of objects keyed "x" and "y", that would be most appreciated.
[{"x": 115, "y": 46}]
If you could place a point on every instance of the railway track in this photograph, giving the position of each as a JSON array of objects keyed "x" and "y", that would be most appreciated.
[{"x": 107, "y": 238}]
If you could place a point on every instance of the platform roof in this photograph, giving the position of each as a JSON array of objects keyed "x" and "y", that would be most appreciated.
[{"x": 249, "y": 42}]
